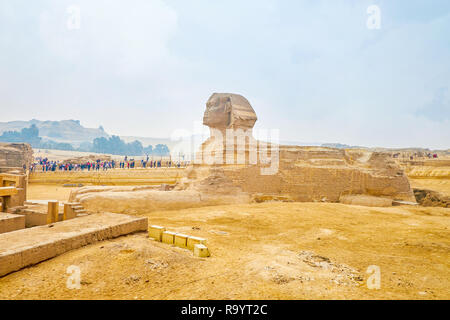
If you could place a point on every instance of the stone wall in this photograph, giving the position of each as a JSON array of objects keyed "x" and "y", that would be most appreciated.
[
  {"x": 118, "y": 177},
  {"x": 14, "y": 155}
]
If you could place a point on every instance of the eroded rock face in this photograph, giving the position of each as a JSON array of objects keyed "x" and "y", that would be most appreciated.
[
  {"x": 308, "y": 174},
  {"x": 429, "y": 198}
]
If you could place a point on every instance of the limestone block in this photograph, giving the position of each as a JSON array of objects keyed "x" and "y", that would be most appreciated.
[
  {"x": 11, "y": 222},
  {"x": 19, "y": 198},
  {"x": 201, "y": 251},
  {"x": 26, "y": 247},
  {"x": 33, "y": 218},
  {"x": 156, "y": 232},
  {"x": 192, "y": 241},
  {"x": 7, "y": 191},
  {"x": 168, "y": 237},
  {"x": 69, "y": 213},
  {"x": 181, "y": 240},
  {"x": 52, "y": 213}
]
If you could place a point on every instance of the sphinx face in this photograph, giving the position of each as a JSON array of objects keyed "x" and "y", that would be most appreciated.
[
  {"x": 218, "y": 112},
  {"x": 228, "y": 110}
]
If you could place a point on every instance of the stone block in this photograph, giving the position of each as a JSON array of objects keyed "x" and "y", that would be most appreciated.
[
  {"x": 168, "y": 237},
  {"x": 201, "y": 251},
  {"x": 181, "y": 240},
  {"x": 192, "y": 241},
  {"x": 156, "y": 232},
  {"x": 69, "y": 213},
  {"x": 52, "y": 213},
  {"x": 21, "y": 248},
  {"x": 33, "y": 218},
  {"x": 11, "y": 222}
]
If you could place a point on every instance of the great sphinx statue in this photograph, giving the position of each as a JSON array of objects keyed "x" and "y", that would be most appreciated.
[{"x": 297, "y": 173}]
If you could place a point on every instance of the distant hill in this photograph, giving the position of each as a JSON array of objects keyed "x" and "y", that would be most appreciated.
[
  {"x": 69, "y": 131},
  {"x": 71, "y": 135},
  {"x": 341, "y": 146}
]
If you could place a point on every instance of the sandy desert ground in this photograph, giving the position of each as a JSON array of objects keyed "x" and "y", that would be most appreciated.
[{"x": 272, "y": 250}]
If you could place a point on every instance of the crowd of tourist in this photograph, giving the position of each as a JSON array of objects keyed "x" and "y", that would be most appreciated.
[
  {"x": 44, "y": 165},
  {"x": 416, "y": 155}
]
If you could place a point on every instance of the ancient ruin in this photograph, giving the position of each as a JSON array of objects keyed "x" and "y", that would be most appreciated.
[
  {"x": 14, "y": 156},
  {"x": 233, "y": 167},
  {"x": 14, "y": 159},
  {"x": 24, "y": 234}
]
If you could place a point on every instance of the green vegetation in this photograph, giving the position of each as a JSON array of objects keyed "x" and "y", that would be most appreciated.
[
  {"x": 112, "y": 145},
  {"x": 31, "y": 135}
]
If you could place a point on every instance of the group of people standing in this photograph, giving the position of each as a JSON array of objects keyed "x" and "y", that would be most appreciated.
[
  {"x": 45, "y": 165},
  {"x": 416, "y": 155},
  {"x": 127, "y": 164},
  {"x": 159, "y": 164}
]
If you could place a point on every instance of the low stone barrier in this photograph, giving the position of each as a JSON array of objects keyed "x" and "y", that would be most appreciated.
[
  {"x": 195, "y": 244},
  {"x": 22, "y": 248},
  {"x": 154, "y": 176}
]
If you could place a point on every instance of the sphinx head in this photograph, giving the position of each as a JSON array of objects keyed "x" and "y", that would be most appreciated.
[{"x": 229, "y": 111}]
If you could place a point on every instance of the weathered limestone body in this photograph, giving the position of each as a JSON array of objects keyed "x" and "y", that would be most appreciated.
[
  {"x": 11, "y": 222},
  {"x": 319, "y": 174},
  {"x": 233, "y": 167}
]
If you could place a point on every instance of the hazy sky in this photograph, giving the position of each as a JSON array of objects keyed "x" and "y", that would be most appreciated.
[{"x": 312, "y": 69}]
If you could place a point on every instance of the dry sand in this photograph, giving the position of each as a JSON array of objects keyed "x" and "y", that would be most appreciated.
[
  {"x": 47, "y": 192},
  {"x": 260, "y": 251}
]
